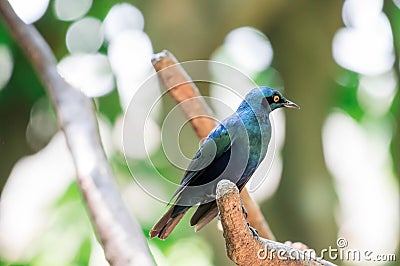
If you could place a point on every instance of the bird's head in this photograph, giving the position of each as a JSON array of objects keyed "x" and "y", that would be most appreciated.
[{"x": 275, "y": 99}]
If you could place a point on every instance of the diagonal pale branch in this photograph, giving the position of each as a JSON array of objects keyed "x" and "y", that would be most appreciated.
[
  {"x": 245, "y": 249},
  {"x": 120, "y": 234},
  {"x": 184, "y": 91}
]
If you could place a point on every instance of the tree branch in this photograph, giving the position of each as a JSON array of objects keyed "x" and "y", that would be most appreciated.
[
  {"x": 181, "y": 87},
  {"x": 184, "y": 91},
  {"x": 120, "y": 235},
  {"x": 245, "y": 249},
  {"x": 255, "y": 216}
]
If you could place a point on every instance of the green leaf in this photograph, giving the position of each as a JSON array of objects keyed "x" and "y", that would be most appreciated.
[
  {"x": 71, "y": 194},
  {"x": 346, "y": 94},
  {"x": 83, "y": 255}
]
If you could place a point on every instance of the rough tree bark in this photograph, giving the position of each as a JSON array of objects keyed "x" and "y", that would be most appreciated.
[
  {"x": 242, "y": 247},
  {"x": 120, "y": 235}
]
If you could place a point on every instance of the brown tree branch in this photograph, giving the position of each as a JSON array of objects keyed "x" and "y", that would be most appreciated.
[
  {"x": 120, "y": 235},
  {"x": 243, "y": 247},
  {"x": 255, "y": 216},
  {"x": 184, "y": 91}
]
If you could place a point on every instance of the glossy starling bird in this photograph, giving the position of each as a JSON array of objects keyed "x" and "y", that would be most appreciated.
[{"x": 233, "y": 150}]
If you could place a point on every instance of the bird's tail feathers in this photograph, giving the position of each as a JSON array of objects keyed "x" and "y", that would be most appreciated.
[
  {"x": 163, "y": 228},
  {"x": 203, "y": 215},
  {"x": 206, "y": 219}
]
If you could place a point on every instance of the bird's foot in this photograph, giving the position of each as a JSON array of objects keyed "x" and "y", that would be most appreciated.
[
  {"x": 253, "y": 231},
  {"x": 243, "y": 209}
]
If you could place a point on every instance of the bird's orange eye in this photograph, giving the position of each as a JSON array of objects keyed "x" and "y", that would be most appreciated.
[{"x": 276, "y": 98}]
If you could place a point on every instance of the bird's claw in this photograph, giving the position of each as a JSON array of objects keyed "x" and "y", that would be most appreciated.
[
  {"x": 253, "y": 231},
  {"x": 244, "y": 210}
]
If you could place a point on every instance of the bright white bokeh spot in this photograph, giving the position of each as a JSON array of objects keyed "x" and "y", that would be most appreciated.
[
  {"x": 366, "y": 44},
  {"x": 144, "y": 136},
  {"x": 369, "y": 52},
  {"x": 130, "y": 53},
  {"x": 129, "y": 85},
  {"x": 68, "y": 10},
  {"x": 376, "y": 93},
  {"x": 85, "y": 36},
  {"x": 122, "y": 17},
  {"x": 358, "y": 157},
  {"x": 91, "y": 73},
  {"x": 130, "y": 58},
  {"x": 249, "y": 49},
  {"x": 361, "y": 13},
  {"x": 6, "y": 65},
  {"x": 28, "y": 195},
  {"x": 29, "y": 10}
]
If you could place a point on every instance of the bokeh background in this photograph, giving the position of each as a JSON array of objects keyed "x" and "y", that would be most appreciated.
[{"x": 335, "y": 172}]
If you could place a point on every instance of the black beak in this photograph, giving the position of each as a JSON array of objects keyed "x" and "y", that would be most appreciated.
[{"x": 290, "y": 104}]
